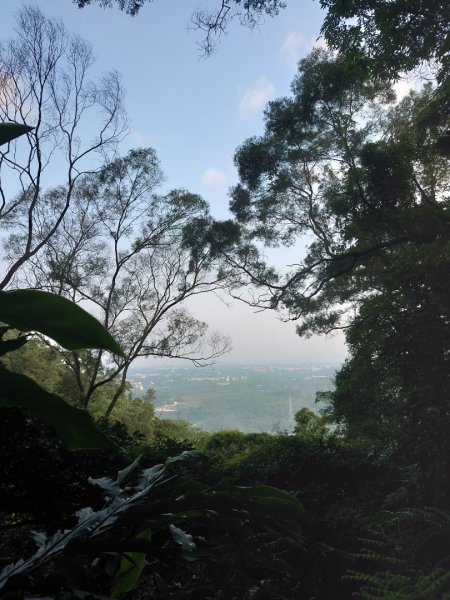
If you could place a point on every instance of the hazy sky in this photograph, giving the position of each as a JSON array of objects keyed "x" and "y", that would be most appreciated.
[{"x": 195, "y": 112}]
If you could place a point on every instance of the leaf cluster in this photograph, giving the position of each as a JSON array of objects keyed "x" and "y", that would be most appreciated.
[
  {"x": 68, "y": 324},
  {"x": 142, "y": 525}
]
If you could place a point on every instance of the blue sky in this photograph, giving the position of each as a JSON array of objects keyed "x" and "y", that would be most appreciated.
[{"x": 195, "y": 112}]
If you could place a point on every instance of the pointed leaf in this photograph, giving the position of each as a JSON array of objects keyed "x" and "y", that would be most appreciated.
[
  {"x": 148, "y": 476},
  {"x": 130, "y": 569},
  {"x": 182, "y": 538},
  {"x": 11, "y": 131},
  {"x": 107, "y": 484},
  {"x": 75, "y": 426},
  {"x": 40, "y": 538},
  {"x": 84, "y": 514},
  {"x": 58, "y": 318},
  {"x": 123, "y": 474},
  {"x": 186, "y": 454}
]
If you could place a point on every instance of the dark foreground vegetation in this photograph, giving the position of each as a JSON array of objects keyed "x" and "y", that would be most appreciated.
[
  {"x": 339, "y": 519},
  {"x": 99, "y": 498}
]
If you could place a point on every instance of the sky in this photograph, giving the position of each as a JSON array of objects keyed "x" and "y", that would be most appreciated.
[{"x": 195, "y": 112}]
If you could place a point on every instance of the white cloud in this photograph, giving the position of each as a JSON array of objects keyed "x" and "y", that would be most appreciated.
[
  {"x": 213, "y": 177},
  {"x": 296, "y": 45},
  {"x": 402, "y": 87},
  {"x": 253, "y": 98},
  {"x": 293, "y": 48},
  {"x": 319, "y": 42}
]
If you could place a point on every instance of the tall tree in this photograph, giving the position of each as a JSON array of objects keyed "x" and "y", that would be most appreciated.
[
  {"x": 44, "y": 83},
  {"x": 126, "y": 251},
  {"x": 368, "y": 193},
  {"x": 391, "y": 36}
]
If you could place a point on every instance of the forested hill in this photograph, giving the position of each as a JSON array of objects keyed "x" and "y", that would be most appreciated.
[
  {"x": 249, "y": 398},
  {"x": 102, "y": 499}
]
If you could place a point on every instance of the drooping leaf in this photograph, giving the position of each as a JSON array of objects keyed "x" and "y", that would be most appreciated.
[
  {"x": 75, "y": 426},
  {"x": 148, "y": 476},
  {"x": 84, "y": 514},
  {"x": 58, "y": 318},
  {"x": 40, "y": 538},
  {"x": 11, "y": 131},
  {"x": 186, "y": 454},
  {"x": 107, "y": 485},
  {"x": 123, "y": 474}
]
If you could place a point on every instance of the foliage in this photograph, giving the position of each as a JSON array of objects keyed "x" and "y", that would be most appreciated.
[
  {"x": 406, "y": 556},
  {"x": 393, "y": 36},
  {"x": 367, "y": 182},
  {"x": 311, "y": 426},
  {"x": 42, "y": 483},
  {"x": 32, "y": 310},
  {"x": 122, "y": 536},
  {"x": 142, "y": 431},
  {"x": 37, "y": 360},
  {"x": 55, "y": 317},
  {"x": 319, "y": 172},
  {"x": 370, "y": 189},
  {"x": 340, "y": 487},
  {"x": 11, "y": 131},
  {"x": 131, "y": 7},
  {"x": 124, "y": 249},
  {"x": 137, "y": 415},
  {"x": 45, "y": 85},
  {"x": 72, "y": 326}
]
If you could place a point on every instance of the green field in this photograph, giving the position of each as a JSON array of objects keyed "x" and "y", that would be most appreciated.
[{"x": 244, "y": 397}]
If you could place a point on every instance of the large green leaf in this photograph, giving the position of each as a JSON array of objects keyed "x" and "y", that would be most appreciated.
[
  {"x": 10, "y": 131},
  {"x": 56, "y": 317},
  {"x": 74, "y": 426},
  {"x": 130, "y": 569}
]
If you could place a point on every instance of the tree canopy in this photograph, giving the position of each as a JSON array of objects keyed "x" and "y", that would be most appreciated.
[
  {"x": 392, "y": 36},
  {"x": 389, "y": 36},
  {"x": 44, "y": 83},
  {"x": 358, "y": 185},
  {"x": 136, "y": 256},
  {"x": 359, "y": 181}
]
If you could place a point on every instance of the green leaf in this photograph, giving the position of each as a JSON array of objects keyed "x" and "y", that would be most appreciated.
[
  {"x": 56, "y": 317},
  {"x": 130, "y": 569},
  {"x": 123, "y": 474},
  {"x": 182, "y": 538},
  {"x": 75, "y": 426},
  {"x": 11, "y": 131}
]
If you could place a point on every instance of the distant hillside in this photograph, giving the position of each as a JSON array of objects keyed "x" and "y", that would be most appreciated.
[{"x": 245, "y": 397}]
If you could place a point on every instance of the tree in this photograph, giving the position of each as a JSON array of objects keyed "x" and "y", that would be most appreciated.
[
  {"x": 213, "y": 23},
  {"x": 391, "y": 36},
  {"x": 44, "y": 83},
  {"x": 39, "y": 361},
  {"x": 310, "y": 426},
  {"x": 130, "y": 7},
  {"x": 368, "y": 190},
  {"x": 136, "y": 257}
]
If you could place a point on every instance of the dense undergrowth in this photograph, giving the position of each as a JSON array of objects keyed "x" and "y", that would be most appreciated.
[{"x": 214, "y": 525}]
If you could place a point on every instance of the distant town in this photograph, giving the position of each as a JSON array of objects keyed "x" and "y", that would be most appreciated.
[{"x": 247, "y": 397}]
